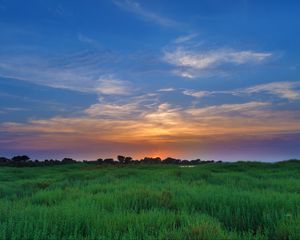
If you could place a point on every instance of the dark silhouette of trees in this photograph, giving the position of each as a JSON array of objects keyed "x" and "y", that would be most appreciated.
[
  {"x": 99, "y": 160},
  {"x": 109, "y": 161},
  {"x": 170, "y": 160},
  {"x": 150, "y": 160},
  {"x": 68, "y": 160},
  {"x": 124, "y": 160},
  {"x": 4, "y": 160},
  {"x": 196, "y": 161},
  {"x": 121, "y": 159},
  {"x": 23, "y": 158},
  {"x": 127, "y": 160},
  {"x": 185, "y": 162}
]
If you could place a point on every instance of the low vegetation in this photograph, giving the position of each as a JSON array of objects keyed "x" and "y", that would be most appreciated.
[
  {"x": 25, "y": 161},
  {"x": 243, "y": 200}
]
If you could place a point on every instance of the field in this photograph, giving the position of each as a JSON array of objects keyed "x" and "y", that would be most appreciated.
[{"x": 212, "y": 201}]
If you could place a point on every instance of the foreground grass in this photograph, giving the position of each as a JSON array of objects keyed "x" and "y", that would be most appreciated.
[{"x": 214, "y": 201}]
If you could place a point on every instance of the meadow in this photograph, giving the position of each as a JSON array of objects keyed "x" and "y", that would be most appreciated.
[{"x": 241, "y": 200}]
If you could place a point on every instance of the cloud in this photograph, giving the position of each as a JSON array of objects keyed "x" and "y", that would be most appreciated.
[
  {"x": 13, "y": 109},
  {"x": 219, "y": 110},
  {"x": 77, "y": 71},
  {"x": 139, "y": 122},
  {"x": 196, "y": 94},
  {"x": 114, "y": 110},
  {"x": 146, "y": 15},
  {"x": 192, "y": 58},
  {"x": 163, "y": 123},
  {"x": 111, "y": 86},
  {"x": 287, "y": 90},
  {"x": 185, "y": 38},
  {"x": 129, "y": 107},
  {"x": 163, "y": 115},
  {"x": 193, "y": 63},
  {"x": 185, "y": 73},
  {"x": 241, "y": 57},
  {"x": 203, "y": 60},
  {"x": 166, "y": 89},
  {"x": 85, "y": 71}
]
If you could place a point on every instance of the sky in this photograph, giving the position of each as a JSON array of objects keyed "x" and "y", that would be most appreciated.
[{"x": 208, "y": 79}]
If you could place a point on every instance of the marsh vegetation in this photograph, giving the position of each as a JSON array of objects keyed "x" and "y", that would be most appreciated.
[{"x": 151, "y": 201}]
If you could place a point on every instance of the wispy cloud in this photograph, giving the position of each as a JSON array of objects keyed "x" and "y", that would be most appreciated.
[
  {"x": 162, "y": 124},
  {"x": 129, "y": 107},
  {"x": 112, "y": 110},
  {"x": 197, "y": 94},
  {"x": 287, "y": 90},
  {"x": 145, "y": 14},
  {"x": 219, "y": 110},
  {"x": 148, "y": 120},
  {"x": 193, "y": 63},
  {"x": 185, "y": 38},
  {"x": 77, "y": 71},
  {"x": 187, "y": 73},
  {"x": 166, "y": 89},
  {"x": 164, "y": 114},
  {"x": 111, "y": 86}
]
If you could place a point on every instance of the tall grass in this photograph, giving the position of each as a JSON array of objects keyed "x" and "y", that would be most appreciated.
[{"x": 216, "y": 201}]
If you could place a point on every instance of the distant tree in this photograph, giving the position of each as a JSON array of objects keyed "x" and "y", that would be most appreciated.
[
  {"x": 150, "y": 160},
  {"x": 23, "y": 158},
  {"x": 121, "y": 159},
  {"x": 68, "y": 160},
  {"x": 185, "y": 162},
  {"x": 170, "y": 160},
  {"x": 127, "y": 160},
  {"x": 109, "y": 160},
  {"x": 196, "y": 161},
  {"x": 4, "y": 160},
  {"x": 99, "y": 160}
]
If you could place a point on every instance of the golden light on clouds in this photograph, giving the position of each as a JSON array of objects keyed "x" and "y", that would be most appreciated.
[{"x": 163, "y": 130}]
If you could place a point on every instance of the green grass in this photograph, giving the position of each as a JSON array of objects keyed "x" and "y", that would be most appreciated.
[{"x": 213, "y": 201}]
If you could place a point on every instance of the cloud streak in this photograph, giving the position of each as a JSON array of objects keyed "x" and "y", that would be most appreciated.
[
  {"x": 86, "y": 71},
  {"x": 193, "y": 63},
  {"x": 161, "y": 123},
  {"x": 196, "y": 94},
  {"x": 111, "y": 86},
  {"x": 287, "y": 90},
  {"x": 240, "y": 108},
  {"x": 145, "y": 120},
  {"x": 144, "y": 14}
]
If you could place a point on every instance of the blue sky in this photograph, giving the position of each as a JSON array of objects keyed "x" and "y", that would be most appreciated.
[{"x": 204, "y": 79}]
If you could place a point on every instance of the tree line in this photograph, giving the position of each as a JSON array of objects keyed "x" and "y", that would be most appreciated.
[{"x": 24, "y": 160}]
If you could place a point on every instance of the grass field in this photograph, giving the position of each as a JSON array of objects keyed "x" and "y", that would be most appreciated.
[{"x": 213, "y": 201}]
